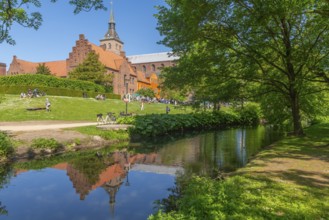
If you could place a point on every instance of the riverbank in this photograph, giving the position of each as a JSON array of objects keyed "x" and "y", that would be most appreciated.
[
  {"x": 71, "y": 135},
  {"x": 288, "y": 180}
]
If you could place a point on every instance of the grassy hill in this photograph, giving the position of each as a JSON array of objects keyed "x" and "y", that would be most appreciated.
[{"x": 14, "y": 108}]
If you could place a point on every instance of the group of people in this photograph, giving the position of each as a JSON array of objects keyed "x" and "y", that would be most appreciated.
[
  {"x": 32, "y": 93},
  {"x": 142, "y": 107},
  {"x": 100, "y": 97}
]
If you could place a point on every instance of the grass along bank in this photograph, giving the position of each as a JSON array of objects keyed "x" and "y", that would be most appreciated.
[{"x": 288, "y": 180}]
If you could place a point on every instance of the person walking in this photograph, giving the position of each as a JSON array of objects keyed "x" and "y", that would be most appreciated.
[
  {"x": 167, "y": 109},
  {"x": 47, "y": 105}
]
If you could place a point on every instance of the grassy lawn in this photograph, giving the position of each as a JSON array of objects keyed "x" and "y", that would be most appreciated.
[
  {"x": 13, "y": 108},
  {"x": 291, "y": 179}
]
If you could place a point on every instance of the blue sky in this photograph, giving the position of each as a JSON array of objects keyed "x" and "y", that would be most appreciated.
[{"x": 135, "y": 24}]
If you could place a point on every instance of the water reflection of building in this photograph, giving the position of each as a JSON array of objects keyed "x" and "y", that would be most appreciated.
[{"x": 114, "y": 174}]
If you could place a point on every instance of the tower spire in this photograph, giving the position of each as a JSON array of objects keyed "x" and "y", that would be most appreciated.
[
  {"x": 111, "y": 14},
  {"x": 111, "y": 40}
]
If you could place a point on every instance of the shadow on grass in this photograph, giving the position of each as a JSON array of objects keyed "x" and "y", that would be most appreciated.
[
  {"x": 306, "y": 148},
  {"x": 299, "y": 177}
]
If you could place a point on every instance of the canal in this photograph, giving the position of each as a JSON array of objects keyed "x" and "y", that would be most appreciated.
[{"x": 121, "y": 185}]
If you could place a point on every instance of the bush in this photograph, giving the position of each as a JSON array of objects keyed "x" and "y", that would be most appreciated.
[
  {"x": 43, "y": 143},
  {"x": 38, "y": 80},
  {"x": 6, "y": 147},
  {"x": 51, "y": 86},
  {"x": 152, "y": 125},
  {"x": 250, "y": 114}
]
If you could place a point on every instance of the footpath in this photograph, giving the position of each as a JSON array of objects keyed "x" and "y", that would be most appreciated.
[{"x": 41, "y": 125}]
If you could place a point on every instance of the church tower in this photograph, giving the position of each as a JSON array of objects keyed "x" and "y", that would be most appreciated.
[{"x": 111, "y": 40}]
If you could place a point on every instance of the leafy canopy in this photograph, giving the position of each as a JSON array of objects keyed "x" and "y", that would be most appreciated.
[
  {"x": 92, "y": 70},
  {"x": 19, "y": 11},
  {"x": 146, "y": 92},
  {"x": 251, "y": 49}
]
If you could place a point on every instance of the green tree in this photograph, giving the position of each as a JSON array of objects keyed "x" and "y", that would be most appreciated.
[
  {"x": 146, "y": 92},
  {"x": 280, "y": 46},
  {"x": 175, "y": 94},
  {"x": 91, "y": 69},
  {"x": 43, "y": 69},
  {"x": 18, "y": 11}
]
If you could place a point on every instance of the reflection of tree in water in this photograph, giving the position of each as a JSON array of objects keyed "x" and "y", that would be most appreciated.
[
  {"x": 3, "y": 210},
  {"x": 84, "y": 172},
  {"x": 5, "y": 175}
]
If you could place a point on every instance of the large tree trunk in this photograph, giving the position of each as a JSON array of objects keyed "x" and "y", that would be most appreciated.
[
  {"x": 295, "y": 111},
  {"x": 291, "y": 74}
]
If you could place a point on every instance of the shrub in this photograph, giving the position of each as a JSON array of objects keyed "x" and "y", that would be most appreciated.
[
  {"x": 52, "y": 86},
  {"x": 152, "y": 125},
  {"x": 38, "y": 80},
  {"x": 43, "y": 143},
  {"x": 6, "y": 147},
  {"x": 250, "y": 114}
]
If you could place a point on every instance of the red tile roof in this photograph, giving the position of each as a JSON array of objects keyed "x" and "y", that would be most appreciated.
[
  {"x": 108, "y": 58},
  {"x": 141, "y": 77},
  {"x": 57, "y": 68}
]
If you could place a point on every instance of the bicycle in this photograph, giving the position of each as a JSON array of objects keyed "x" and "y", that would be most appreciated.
[{"x": 110, "y": 118}]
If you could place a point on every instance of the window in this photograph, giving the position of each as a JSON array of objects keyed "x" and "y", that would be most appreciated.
[
  {"x": 109, "y": 46},
  {"x": 153, "y": 67},
  {"x": 144, "y": 68}
]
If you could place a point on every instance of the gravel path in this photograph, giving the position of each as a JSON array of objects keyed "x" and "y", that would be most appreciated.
[{"x": 41, "y": 125}]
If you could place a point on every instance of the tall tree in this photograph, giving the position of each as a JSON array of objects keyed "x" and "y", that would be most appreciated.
[
  {"x": 18, "y": 11},
  {"x": 91, "y": 69},
  {"x": 146, "y": 92},
  {"x": 43, "y": 69},
  {"x": 281, "y": 45}
]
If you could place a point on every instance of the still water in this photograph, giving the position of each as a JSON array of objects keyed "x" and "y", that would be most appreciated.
[{"x": 121, "y": 185}]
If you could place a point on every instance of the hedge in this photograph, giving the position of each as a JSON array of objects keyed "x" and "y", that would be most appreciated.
[
  {"x": 158, "y": 124},
  {"x": 38, "y": 80},
  {"x": 54, "y": 91},
  {"x": 51, "y": 86}
]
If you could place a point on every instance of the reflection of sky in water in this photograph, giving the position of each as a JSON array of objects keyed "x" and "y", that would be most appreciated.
[
  {"x": 53, "y": 193},
  {"x": 49, "y": 194}
]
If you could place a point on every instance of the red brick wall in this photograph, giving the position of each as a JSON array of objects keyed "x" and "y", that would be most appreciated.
[
  {"x": 118, "y": 84},
  {"x": 2, "y": 69},
  {"x": 79, "y": 53},
  {"x": 149, "y": 67}
]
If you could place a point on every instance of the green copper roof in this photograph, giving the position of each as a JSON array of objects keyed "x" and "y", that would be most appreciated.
[{"x": 112, "y": 14}]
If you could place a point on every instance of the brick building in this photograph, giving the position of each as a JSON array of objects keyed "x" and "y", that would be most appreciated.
[
  {"x": 150, "y": 65},
  {"x": 2, "y": 69},
  {"x": 129, "y": 73}
]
